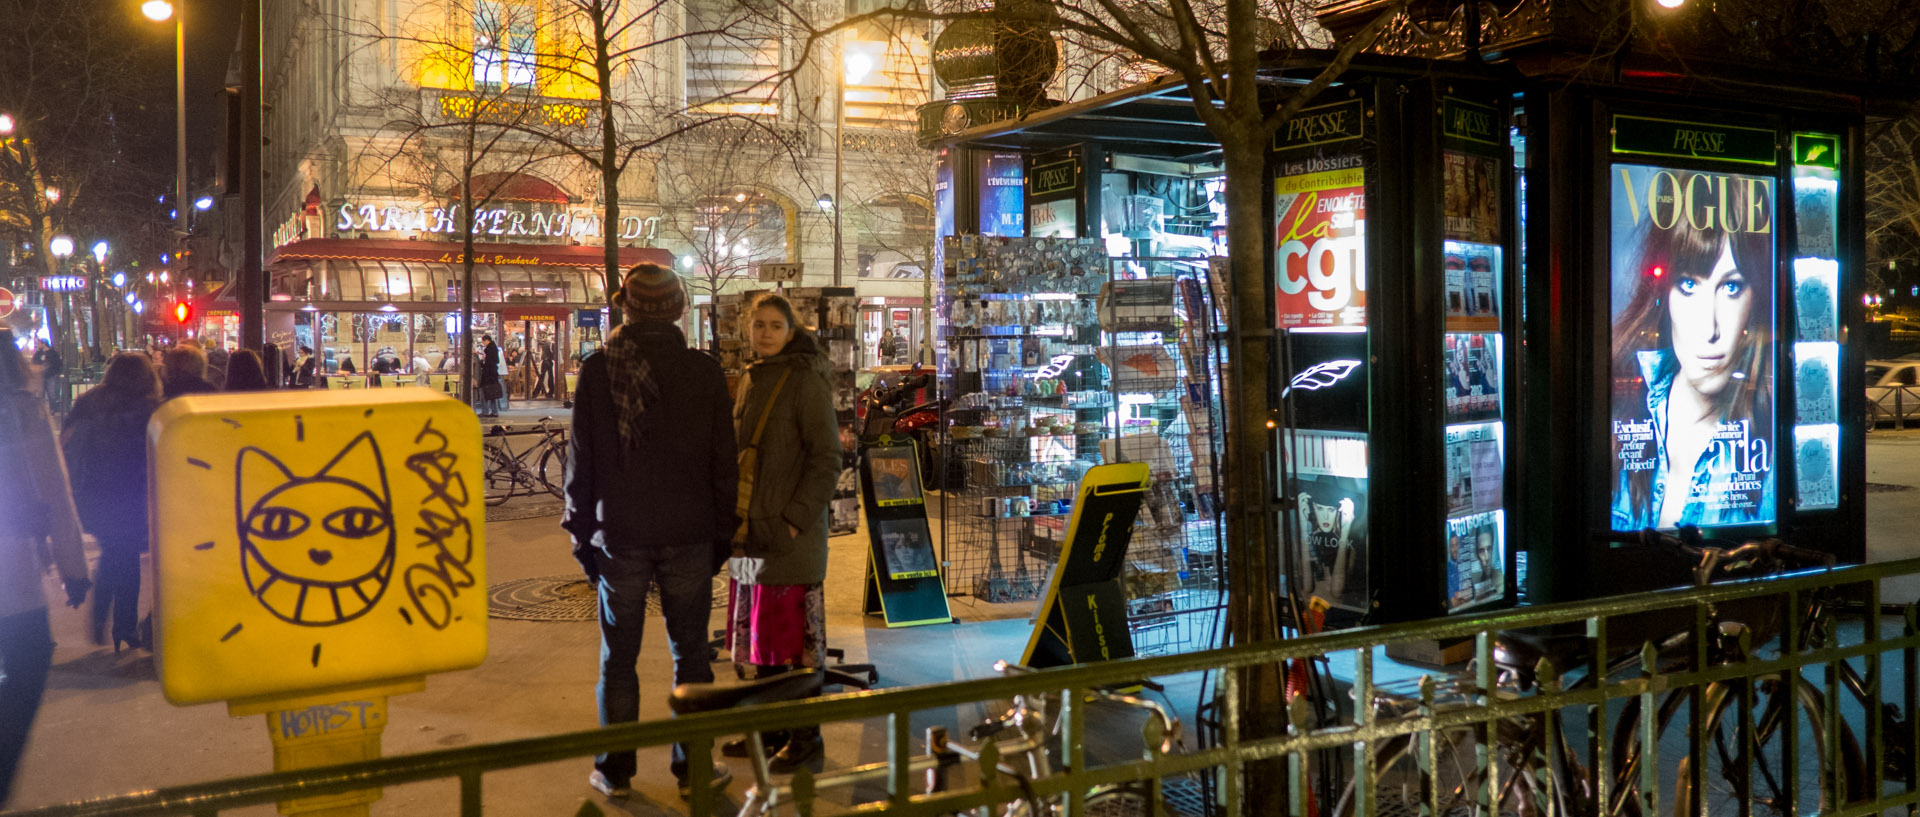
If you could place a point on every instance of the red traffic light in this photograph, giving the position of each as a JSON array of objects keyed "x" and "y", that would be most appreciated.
[{"x": 183, "y": 312}]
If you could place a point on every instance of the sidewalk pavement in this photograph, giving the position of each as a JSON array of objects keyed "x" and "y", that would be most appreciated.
[{"x": 105, "y": 729}]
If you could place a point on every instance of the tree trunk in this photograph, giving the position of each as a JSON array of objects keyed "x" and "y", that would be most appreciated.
[
  {"x": 467, "y": 370},
  {"x": 1252, "y": 580},
  {"x": 609, "y": 158}
]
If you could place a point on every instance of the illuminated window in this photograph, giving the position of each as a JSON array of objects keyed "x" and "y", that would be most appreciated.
[
  {"x": 503, "y": 44},
  {"x": 887, "y": 74},
  {"x": 732, "y": 57}
]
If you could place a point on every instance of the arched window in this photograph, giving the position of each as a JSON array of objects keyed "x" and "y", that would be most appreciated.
[
  {"x": 731, "y": 233},
  {"x": 896, "y": 237}
]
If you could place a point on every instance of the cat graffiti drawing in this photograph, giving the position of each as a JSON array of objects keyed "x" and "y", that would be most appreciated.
[{"x": 316, "y": 550}]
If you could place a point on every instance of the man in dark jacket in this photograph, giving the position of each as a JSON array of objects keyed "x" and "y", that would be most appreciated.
[{"x": 651, "y": 490}]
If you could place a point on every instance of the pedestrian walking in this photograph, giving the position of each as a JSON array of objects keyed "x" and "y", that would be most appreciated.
[
  {"x": 35, "y": 506},
  {"x": 784, "y": 415},
  {"x": 493, "y": 377},
  {"x": 244, "y": 372},
  {"x": 650, "y": 500},
  {"x": 186, "y": 371},
  {"x": 105, "y": 442},
  {"x": 217, "y": 358},
  {"x": 53, "y": 375}
]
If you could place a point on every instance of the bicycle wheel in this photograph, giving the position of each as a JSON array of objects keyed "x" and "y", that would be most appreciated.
[
  {"x": 1120, "y": 800},
  {"x": 552, "y": 470},
  {"x": 497, "y": 472},
  {"x": 1728, "y": 777}
]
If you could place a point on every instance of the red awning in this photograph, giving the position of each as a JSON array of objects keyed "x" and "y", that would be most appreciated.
[
  {"x": 513, "y": 187},
  {"x": 443, "y": 252}
]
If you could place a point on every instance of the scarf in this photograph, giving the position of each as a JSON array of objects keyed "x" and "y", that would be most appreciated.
[{"x": 634, "y": 387}]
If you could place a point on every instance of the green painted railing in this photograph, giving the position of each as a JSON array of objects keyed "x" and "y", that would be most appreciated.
[{"x": 1641, "y": 740}]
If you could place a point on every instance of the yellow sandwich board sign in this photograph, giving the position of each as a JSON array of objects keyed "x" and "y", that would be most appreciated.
[{"x": 306, "y": 541}]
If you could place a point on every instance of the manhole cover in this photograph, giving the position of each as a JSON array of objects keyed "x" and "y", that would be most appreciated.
[
  {"x": 567, "y": 598},
  {"x": 547, "y": 598},
  {"x": 513, "y": 511},
  {"x": 1886, "y": 488}
]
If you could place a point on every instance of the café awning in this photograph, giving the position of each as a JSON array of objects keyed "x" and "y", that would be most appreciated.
[{"x": 447, "y": 252}]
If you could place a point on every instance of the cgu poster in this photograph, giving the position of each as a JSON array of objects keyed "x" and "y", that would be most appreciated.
[
  {"x": 1320, "y": 269},
  {"x": 1692, "y": 282}
]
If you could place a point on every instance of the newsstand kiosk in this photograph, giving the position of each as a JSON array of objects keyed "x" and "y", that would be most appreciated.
[{"x": 1524, "y": 303}]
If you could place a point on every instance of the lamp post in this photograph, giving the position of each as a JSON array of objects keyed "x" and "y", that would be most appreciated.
[
  {"x": 855, "y": 64},
  {"x": 62, "y": 248},
  {"x": 100, "y": 250},
  {"x": 159, "y": 11}
]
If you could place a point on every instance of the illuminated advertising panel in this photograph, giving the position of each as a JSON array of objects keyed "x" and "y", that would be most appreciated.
[
  {"x": 1320, "y": 268},
  {"x": 1692, "y": 414}
]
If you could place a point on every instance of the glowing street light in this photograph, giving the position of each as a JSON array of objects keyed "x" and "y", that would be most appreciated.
[
  {"x": 6, "y": 124},
  {"x": 157, "y": 10},
  {"x": 61, "y": 246},
  {"x": 119, "y": 279},
  {"x": 203, "y": 204},
  {"x": 53, "y": 195},
  {"x": 100, "y": 250}
]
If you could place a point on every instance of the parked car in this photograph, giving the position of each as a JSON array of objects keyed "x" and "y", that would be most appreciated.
[{"x": 1893, "y": 391}]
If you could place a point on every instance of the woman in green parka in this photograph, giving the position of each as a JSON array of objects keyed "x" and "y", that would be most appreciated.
[{"x": 778, "y": 617}]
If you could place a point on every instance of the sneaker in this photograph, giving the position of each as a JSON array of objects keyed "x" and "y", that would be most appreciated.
[
  {"x": 601, "y": 784},
  {"x": 721, "y": 777}
]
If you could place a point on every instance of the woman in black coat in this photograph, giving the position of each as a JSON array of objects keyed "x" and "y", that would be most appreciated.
[
  {"x": 490, "y": 384},
  {"x": 105, "y": 441}
]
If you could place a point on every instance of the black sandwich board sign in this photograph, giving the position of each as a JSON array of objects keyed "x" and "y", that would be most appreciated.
[
  {"x": 1083, "y": 616},
  {"x": 903, "y": 573}
]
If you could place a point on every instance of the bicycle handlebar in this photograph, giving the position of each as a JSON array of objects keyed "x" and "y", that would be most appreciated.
[
  {"x": 1169, "y": 723},
  {"x": 1770, "y": 554}
]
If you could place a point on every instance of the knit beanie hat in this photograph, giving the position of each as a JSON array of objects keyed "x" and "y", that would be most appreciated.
[{"x": 654, "y": 293}]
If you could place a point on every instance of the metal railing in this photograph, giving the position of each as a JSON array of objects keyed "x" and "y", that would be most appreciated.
[
  {"x": 1898, "y": 405},
  {"x": 1472, "y": 735}
]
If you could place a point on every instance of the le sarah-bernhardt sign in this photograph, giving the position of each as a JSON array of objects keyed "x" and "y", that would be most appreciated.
[{"x": 515, "y": 220}]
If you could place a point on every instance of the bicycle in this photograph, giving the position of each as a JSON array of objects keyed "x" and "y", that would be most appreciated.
[
  {"x": 539, "y": 467},
  {"x": 1026, "y": 756},
  {"x": 1543, "y": 767}
]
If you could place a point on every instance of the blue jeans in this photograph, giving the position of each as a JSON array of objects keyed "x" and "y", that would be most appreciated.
[
  {"x": 26, "y": 651},
  {"x": 685, "y": 576}
]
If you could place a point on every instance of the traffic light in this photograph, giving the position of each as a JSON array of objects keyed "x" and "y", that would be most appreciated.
[{"x": 183, "y": 312}]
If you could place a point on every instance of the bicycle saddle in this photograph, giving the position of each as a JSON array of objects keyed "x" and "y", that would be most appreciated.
[
  {"x": 787, "y": 686},
  {"x": 1520, "y": 652}
]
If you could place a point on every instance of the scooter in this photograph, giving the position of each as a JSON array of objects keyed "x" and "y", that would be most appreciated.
[{"x": 886, "y": 412}]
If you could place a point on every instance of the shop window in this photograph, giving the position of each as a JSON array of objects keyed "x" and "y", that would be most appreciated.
[
  {"x": 732, "y": 55},
  {"x": 503, "y": 44}
]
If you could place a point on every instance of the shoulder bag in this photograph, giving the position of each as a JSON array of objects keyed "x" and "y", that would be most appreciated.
[{"x": 744, "y": 568}]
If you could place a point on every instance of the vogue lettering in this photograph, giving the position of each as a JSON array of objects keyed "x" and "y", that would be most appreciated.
[{"x": 1703, "y": 200}]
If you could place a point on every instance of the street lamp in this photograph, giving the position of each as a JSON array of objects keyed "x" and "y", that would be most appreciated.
[
  {"x": 856, "y": 62},
  {"x": 62, "y": 248},
  {"x": 159, "y": 11}
]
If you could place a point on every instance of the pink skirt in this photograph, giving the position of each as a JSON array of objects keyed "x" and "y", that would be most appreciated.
[{"x": 777, "y": 625}]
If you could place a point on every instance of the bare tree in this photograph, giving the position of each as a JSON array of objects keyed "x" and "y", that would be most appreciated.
[
  {"x": 82, "y": 149},
  {"x": 1893, "y": 199},
  {"x": 721, "y": 217}
]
